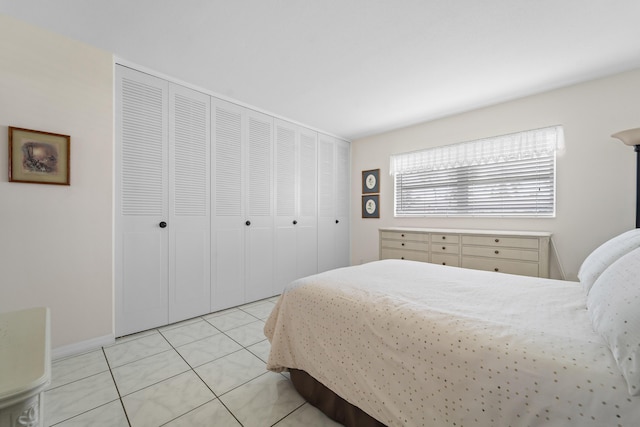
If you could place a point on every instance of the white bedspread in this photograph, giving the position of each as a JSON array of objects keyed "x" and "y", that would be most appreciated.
[{"x": 417, "y": 344}]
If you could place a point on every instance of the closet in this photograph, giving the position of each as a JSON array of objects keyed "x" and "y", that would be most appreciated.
[
  {"x": 162, "y": 221},
  {"x": 217, "y": 204}
]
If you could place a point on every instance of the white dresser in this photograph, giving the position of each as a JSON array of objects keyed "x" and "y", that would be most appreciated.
[
  {"x": 515, "y": 252},
  {"x": 25, "y": 366}
]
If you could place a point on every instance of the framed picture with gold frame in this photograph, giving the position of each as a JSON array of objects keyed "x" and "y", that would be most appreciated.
[{"x": 38, "y": 157}]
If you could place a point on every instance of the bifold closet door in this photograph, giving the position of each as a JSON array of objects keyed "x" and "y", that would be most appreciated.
[
  {"x": 141, "y": 203},
  {"x": 162, "y": 259}
]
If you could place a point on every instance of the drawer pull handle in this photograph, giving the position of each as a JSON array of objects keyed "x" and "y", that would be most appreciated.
[
  {"x": 401, "y": 257},
  {"x": 444, "y": 247},
  {"x": 495, "y": 269},
  {"x": 497, "y": 240},
  {"x": 444, "y": 237},
  {"x": 444, "y": 263},
  {"x": 402, "y": 235},
  {"x": 497, "y": 252},
  {"x": 402, "y": 244}
]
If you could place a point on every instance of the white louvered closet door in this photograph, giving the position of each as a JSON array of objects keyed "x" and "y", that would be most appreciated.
[
  {"x": 141, "y": 280},
  {"x": 342, "y": 203},
  {"x": 228, "y": 194},
  {"x": 286, "y": 220},
  {"x": 307, "y": 227},
  {"x": 326, "y": 204},
  {"x": 259, "y": 228},
  {"x": 189, "y": 219}
]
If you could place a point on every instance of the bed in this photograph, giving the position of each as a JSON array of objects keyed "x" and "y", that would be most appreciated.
[{"x": 403, "y": 343}]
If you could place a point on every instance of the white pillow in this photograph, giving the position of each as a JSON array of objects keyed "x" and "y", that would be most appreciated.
[
  {"x": 613, "y": 305},
  {"x": 604, "y": 255}
]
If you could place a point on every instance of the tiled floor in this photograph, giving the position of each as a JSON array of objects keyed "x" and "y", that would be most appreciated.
[{"x": 207, "y": 371}]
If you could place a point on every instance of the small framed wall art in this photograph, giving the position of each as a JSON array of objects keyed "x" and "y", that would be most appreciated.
[
  {"x": 371, "y": 206},
  {"x": 38, "y": 157},
  {"x": 371, "y": 181}
]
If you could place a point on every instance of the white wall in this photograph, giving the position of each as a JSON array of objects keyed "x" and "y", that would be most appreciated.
[
  {"x": 56, "y": 241},
  {"x": 595, "y": 176}
]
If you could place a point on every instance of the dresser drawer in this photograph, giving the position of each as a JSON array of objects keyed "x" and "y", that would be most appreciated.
[
  {"x": 404, "y": 236},
  {"x": 445, "y": 259},
  {"x": 501, "y": 265},
  {"x": 445, "y": 238},
  {"x": 500, "y": 241},
  {"x": 386, "y": 253},
  {"x": 399, "y": 244},
  {"x": 445, "y": 248},
  {"x": 502, "y": 253}
]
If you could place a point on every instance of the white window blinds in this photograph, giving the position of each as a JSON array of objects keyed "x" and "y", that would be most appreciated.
[{"x": 508, "y": 175}]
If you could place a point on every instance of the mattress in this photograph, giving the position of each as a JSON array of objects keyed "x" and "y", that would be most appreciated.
[{"x": 415, "y": 344}]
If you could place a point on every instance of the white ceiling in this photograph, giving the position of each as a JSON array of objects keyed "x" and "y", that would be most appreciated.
[{"x": 357, "y": 67}]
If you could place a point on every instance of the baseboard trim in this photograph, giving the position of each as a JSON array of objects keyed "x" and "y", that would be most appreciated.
[{"x": 82, "y": 346}]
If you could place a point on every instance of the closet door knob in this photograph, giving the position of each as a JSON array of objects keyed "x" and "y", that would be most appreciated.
[
  {"x": 337, "y": 221},
  {"x": 295, "y": 222},
  {"x": 162, "y": 224},
  {"x": 247, "y": 223}
]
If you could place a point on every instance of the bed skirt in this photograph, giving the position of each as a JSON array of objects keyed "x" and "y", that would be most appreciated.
[{"x": 330, "y": 403}]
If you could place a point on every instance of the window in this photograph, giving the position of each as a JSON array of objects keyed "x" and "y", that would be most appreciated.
[{"x": 508, "y": 175}]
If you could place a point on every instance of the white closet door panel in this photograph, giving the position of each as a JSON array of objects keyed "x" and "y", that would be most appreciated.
[
  {"x": 285, "y": 257},
  {"x": 259, "y": 235},
  {"x": 342, "y": 248},
  {"x": 285, "y": 168},
  {"x": 228, "y": 223},
  {"x": 190, "y": 294},
  {"x": 189, "y": 223},
  {"x": 228, "y": 121},
  {"x": 228, "y": 290},
  {"x": 260, "y": 263},
  {"x": 141, "y": 202},
  {"x": 286, "y": 139},
  {"x": 307, "y": 236},
  {"x": 259, "y": 165},
  {"x": 306, "y": 248},
  {"x": 142, "y": 301},
  {"x": 326, "y": 203},
  {"x": 308, "y": 174}
]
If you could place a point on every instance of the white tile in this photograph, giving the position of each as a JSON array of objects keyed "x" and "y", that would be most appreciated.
[
  {"x": 261, "y": 349},
  {"x": 188, "y": 333},
  {"x": 220, "y": 313},
  {"x": 167, "y": 400},
  {"x": 179, "y": 324},
  {"x": 231, "y": 320},
  {"x": 263, "y": 401},
  {"x": 147, "y": 371},
  {"x": 208, "y": 349},
  {"x": 129, "y": 351},
  {"x": 261, "y": 311},
  {"x": 307, "y": 415},
  {"x": 109, "y": 415},
  {"x": 230, "y": 371},
  {"x": 210, "y": 414},
  {"x": 135, "y": 336},
  {"x": 64, "y": 371},
  {"x": 248, "y": 334},
  {"x": 77, "y": 397}
]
